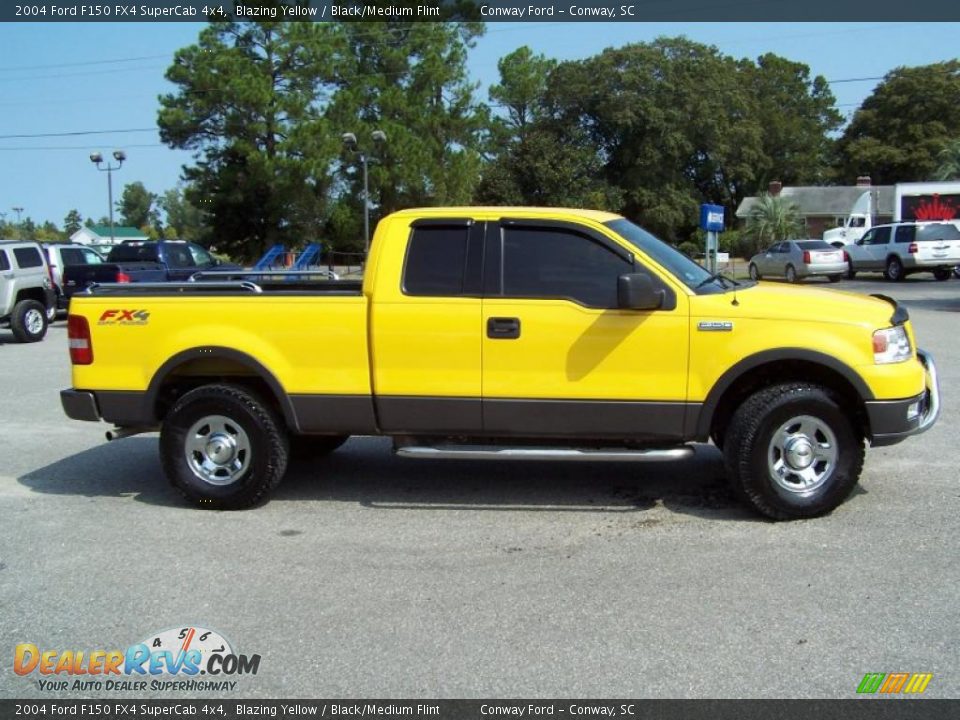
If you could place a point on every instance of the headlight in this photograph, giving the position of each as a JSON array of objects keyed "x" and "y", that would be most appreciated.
[{"x": 891, "y": 345}]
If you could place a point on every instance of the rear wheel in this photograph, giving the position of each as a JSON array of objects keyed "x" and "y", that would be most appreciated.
[
  {"x": 942, "y": 274},
  {"x": 790, "y": 274},
  {"x": 754, "y": 272},
  {"x": 894, "y": 270},
  {"x": 223, "y": 447},
  {"x": 792, "y": 452},
  {"x": 28, "y": 321},
  {"x": 835, "y": 278}
]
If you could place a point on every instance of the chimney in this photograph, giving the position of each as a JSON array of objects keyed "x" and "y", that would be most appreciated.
[
  {"x": 774, "y": 188},
  {"x": 863, "y": 181}
]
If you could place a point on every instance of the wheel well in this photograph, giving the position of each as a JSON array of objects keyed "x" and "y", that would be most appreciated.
[
  {"x": 32, "y": 294},
  {"x": 200, "y": 371},
  {"x": 785, "y": 371}
]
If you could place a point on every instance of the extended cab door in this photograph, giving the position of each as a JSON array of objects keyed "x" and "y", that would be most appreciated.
[
  {"x": 425, "y": 329},
  {"x": 559, "y": 357}
]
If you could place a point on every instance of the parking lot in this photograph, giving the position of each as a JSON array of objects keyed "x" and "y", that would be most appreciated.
[{"x": 368, "y": 575}]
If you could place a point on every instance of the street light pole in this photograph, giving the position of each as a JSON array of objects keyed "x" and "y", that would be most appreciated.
[
  {"x": 19, "y": 212},
  {"x": 350, "y": 142},
  {"x": 97, "y": 159}
]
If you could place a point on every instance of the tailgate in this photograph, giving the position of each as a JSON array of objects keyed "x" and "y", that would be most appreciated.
[{"x": 939, "y": 251}]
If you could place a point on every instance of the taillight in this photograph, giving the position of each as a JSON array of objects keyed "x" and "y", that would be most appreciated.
[
  {"x": 912, "y": 249},
  {"x": 78, "y": 338},
  {"x": 806, "y": 257},
  {"x": 122, "y": 277},
  {"x": 846, "y": 256}
]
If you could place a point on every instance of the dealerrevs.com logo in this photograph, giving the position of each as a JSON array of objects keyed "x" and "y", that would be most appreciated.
[{"x": 170, "y": 660}]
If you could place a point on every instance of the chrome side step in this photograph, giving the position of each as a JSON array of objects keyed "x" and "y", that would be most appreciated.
[{"x": 493, "y": 452}]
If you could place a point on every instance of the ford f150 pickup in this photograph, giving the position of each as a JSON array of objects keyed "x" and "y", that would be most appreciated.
[
  {"x": 505, "y": 333},
  {"x": 134, "y": 262}
]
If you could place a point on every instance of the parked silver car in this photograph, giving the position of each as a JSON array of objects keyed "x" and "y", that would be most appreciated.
[{"x": 794, "y": 260}]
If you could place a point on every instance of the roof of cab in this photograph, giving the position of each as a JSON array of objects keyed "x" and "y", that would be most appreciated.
[{"x": 492, "y": 211}]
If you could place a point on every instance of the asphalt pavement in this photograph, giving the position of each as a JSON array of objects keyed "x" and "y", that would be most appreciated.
[{"x": 373, "y": 576}]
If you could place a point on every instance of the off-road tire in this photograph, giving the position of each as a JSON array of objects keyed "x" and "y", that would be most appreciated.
[
  {"x": 24, "y": 324},
  {"x": 747, "y": 447},
  {"x": 314, "y": 447},
  {"x": 267, "y": 436}
]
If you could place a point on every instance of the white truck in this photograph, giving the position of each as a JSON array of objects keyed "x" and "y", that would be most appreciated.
[{"x": 918, "y": 202}]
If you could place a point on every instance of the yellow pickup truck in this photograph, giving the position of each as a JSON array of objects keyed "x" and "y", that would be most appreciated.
[{"x": 504, "y": 333}]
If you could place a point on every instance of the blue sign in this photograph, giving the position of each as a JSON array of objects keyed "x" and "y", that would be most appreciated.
[{"x": 711, "y": 218}]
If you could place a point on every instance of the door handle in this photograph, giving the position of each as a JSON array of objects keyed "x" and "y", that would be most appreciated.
[{"x": 499, "y": 328}]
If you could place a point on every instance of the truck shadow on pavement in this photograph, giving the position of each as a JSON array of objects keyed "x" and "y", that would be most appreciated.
[{"x": 365, "y": 472}]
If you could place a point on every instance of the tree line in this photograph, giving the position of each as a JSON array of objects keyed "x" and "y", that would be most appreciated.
[{"x": 650, "y": 130}]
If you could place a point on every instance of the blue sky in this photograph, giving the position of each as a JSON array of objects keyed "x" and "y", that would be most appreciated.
[{"x": 52, "y": 81}]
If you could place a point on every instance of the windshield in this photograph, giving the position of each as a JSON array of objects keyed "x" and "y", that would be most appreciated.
[{"x": 672, "y": 260}]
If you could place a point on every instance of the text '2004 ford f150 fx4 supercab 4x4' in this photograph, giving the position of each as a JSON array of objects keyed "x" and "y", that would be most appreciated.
[{"x": 505, "y": 333}]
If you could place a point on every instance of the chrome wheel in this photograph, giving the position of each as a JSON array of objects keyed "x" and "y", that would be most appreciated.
[
  {"x": 802, "y": 455},
  {"x": 33, "y": 321},
  {"x": 217, "y": 450}
]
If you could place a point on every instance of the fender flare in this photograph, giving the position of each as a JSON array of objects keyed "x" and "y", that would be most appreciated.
[
  {"x": 221, "y": 353},
  {"x": 712, "y": 401}
]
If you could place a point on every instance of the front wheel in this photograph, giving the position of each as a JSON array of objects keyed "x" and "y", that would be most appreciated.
[
  {"x": 791, "y": 274},
  {"x": 942, "y": 274},
  {"x": 754, "y": 272},
  {"x": 851, "y": 272},
  {"x": 223, "y": 447},
  {"x": 792, "y": 452},
  {"x": 28, "y": 321}
]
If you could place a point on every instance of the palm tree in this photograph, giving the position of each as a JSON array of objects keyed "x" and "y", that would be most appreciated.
[
  {"x": 949, "y": 161},
  {"x": 772, "y": 219}
]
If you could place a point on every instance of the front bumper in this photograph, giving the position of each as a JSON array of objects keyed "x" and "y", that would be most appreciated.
[{"x": 892, "y": 421}]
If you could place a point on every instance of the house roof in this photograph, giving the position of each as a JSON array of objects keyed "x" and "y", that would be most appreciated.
[
  {"x": 119, "y": 231},
  {"x": 834, "y": 201}
]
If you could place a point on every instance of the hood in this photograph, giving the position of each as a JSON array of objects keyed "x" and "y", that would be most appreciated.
[{"x": 776, "y": 301}]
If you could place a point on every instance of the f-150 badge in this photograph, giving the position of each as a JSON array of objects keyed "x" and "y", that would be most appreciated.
[{"x": 715, "y": 326}]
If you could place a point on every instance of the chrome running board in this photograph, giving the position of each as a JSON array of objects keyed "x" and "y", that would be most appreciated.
[{"x": 494, "y": 452}]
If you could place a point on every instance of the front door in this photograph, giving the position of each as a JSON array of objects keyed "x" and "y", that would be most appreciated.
[{"x": 559, "y": 357}]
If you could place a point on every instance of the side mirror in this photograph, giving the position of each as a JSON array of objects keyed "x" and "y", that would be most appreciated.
[{"x": 635, "y": 291}]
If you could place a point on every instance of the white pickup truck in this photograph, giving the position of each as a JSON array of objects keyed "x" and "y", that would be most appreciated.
[{"x": 901, "y": 249}]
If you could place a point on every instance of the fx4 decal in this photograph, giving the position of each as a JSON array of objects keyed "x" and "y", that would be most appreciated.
[{"x": 124, "y": 317}]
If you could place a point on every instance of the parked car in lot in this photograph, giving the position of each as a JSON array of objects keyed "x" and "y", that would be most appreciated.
[
  {"x": 505, "y": 334},
  {"x": 901, "y": 249},
  {"x": 795, "y": 260},
  {"x": 134, "y": 262},
  {"x": 26, "y": 290},
  {"x": 61, "y": 256}
]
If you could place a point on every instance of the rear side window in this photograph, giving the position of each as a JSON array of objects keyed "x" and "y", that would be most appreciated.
[
  {"x": 27, "y": 257},
  {"x": 73, "y": 256},
  {"x": 548, "y": 263},
  {"x": 436, "y": 261},
  {"x": 940, "y": 231},
  {"x": 4, "y": 260},
  {"x": 905, "y": 234}
]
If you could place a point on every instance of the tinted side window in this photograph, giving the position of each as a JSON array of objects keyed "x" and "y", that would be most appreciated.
[
  {"x": 905, "y": 233},
  {"x": 73, "y": 256},
  {"x": 4, "y": 261},
  {"x": 27, "y": 257},
  {"x": 436, "y": 261},
  {"x": 882, "y": 237},
  {"x": 547, "y": 263}
]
